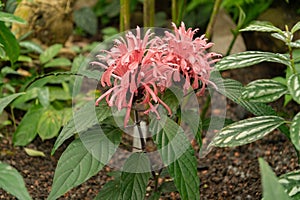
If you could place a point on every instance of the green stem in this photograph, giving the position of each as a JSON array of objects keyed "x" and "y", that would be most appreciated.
[
  {"x": 124, "y": 15},
  {"x": 174, "y": 11},
  {"x": 149, "y": 13},
  {"x": 235, "y": 34},
  {"x": 212, "y": 19},
  {"x": 13, "y": 117}
]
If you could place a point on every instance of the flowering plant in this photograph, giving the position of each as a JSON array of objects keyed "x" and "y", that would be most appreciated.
[{"x": 154, "y": 78}]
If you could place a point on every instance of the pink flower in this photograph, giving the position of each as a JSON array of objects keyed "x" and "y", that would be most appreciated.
[
  {"x": 189, "y": 56},
  {"x": 136, "y": 77},
  {"x": 143, "y": 68}
]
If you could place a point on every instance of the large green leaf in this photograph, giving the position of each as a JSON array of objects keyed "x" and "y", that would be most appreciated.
[
  {"x": 9, "y": 43},
  {"x": 27, "y": 129},
  {"x": 110, "y": 191},
  {"x": 271, "y": 187},
  {"x": 12, "y": 182},
  {"x": 291, "y": 183},
  {"x": 75, "y": 166},
  {"x": 295, "y": 131},
  {"x": 50, "y": 53},
  {"x": 264, "y": 90},
  {"x": 246, "y": 131},
  {"x": 84, "y": 158},
  {"x": 293, "y": 84},
  {"x": 49, "y": 124},
  {"x": 135, "y": 176},
  {"x": 249, "y": 58},
  {"x": 8, "y": 99},
  {"x": 85, "y": 117},
  {"x": 262, "y": 26},
  {"x": 178, "y": 155}
]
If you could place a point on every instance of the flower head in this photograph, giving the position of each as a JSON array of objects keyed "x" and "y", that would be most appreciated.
[
  {"x": 136, "y": 77},
  {"x": 142, "y": 68},
  {"x": 189, "y": 56}
]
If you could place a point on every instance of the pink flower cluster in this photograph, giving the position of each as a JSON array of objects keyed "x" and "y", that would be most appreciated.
[{"x": 143, "y": 68}]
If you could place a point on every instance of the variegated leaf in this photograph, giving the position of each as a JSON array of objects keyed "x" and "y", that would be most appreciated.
[
  {"x": 264, "y": 90},
  {"x": 291, "y": 183},
  {"x": 295, "y": 131},
  {"x": 246, "y": 131},
  {"x": 295, "y": 44},
  {"x": 294, "y": 86},
  {"x": 249, "y": 58},
  {"x": 262, "y": 26},
  {"x": 232, "y": 89},
  {"x": 296, "y": 27}
]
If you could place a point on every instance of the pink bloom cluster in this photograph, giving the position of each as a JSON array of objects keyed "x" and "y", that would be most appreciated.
[{"x": 142, "y": 68}]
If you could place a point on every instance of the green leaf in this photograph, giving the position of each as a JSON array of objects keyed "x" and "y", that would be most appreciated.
[
  {"x": 290, "y": 182},
  {"x": 294, "y": 87},
  {"x": 110, "y": 191},
  {"x": 44, "y": 96},
  {"x": 295, "y": 28},
  {"x": 9, "y": 42},
  {"x": 33, "y": 152},
  {"x": 135, "y": 176},
  {"x": 58, "y": 62},
  {"x": 29, "y": 45},
  {"x": 5, "y": 101},
  {"x": 86, "y": 19},
  {"x": 49, "y": 124},
  {"x": 58, "y": 93},
  {"x": 194, "y": 122},
  {"x": 246, "y": 131},
  {"x": 264, "y": 90},
  {"x": 279, "y": 36},
  {"x": 75, "y": 166},
  {"x": 262, "y": 26},
  {"x": 249, "y": 58},
  {"x": 295, "y": 131},
  {"x": 271, "y": 187},
  {"x": 83, "y": 158},
  {"x": 27, "y": 129},
  {"x": 178, "y": 155},
  {"x": 233, "y": 90},
  {"x": 12, "y": 182},
  {"x": 87, "y": 116},
  {"x": 8, "y": 17},
  {"x": 295, "y": 44},
  {"x": 50, "y": 53}
]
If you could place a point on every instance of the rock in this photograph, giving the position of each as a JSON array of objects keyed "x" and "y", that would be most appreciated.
[{"x": 49, "y": 22}]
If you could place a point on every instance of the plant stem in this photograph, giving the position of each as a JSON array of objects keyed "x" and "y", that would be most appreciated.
[
  {"x": 235, "y": 34},
  {"x": 174, "y": 11},
  {"x": 137, "y": 122},
  {"x": 13, "y": 117},
  {"x": 156, "y": 177},
  {"x": 212, "y": 19},
  {"x": 124, "y": 15},
  {"x": 149, "y": 11}
]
